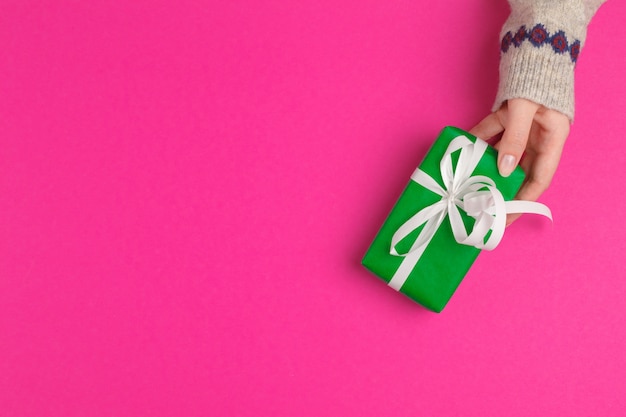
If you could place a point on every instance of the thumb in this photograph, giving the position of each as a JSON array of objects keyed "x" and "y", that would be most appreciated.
[{"x": 520, "y": 115}]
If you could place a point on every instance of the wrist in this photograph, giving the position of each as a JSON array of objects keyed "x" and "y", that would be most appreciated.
[{"x": 543, "y": 74}]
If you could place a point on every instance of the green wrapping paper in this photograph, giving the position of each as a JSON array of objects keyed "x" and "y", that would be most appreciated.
[{"x": 444, "y": 262}]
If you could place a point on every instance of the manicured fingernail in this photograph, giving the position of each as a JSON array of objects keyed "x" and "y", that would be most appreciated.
[{"x": 506, "y": 165}]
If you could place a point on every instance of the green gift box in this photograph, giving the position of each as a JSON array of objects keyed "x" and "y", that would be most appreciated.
[{"x": 455, "y": 195}]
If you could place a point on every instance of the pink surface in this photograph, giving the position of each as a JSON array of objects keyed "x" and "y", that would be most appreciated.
[{"x": 187, "y": 188}]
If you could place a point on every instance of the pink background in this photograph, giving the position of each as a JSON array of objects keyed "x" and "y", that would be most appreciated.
[{"x": 187, "y": 188}]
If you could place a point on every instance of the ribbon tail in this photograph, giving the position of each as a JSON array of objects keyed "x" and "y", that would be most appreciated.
[
  {"x": 424, "y": 217},
  {"x": 410, "y": 259},
  {"x": 405, "y": 268},
  {"x": 529, "y": 207}
]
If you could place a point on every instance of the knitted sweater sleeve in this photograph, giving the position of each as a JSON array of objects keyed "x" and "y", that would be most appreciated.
[{"x": 541, "y": 41}]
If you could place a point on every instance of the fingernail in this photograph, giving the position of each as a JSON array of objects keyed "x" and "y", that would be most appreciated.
[{"x": 506, "y": 165}]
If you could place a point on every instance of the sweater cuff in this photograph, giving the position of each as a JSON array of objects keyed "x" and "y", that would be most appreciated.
[{"x": 539, "y": 74}]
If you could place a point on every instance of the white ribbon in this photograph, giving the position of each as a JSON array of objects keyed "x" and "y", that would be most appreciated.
[{"x": 476, "y": 195}]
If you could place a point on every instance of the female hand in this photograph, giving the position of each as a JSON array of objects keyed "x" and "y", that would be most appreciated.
[{"x": 533, "y": 136}]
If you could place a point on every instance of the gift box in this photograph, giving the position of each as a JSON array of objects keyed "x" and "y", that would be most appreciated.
[{"x": 453, "y": 207}]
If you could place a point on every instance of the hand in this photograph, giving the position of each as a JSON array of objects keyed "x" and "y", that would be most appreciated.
[{"x": 534, "y": 135}]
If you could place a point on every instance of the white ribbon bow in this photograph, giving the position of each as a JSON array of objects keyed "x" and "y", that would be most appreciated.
[{"x": 476, "y": 195}]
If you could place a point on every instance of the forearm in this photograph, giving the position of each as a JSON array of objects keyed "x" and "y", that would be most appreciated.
[{"x": 541, "y": 42}]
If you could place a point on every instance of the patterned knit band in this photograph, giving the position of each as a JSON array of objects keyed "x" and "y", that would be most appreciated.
[{"x": 539, "y": 36}]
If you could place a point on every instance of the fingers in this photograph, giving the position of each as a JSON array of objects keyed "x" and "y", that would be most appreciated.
[
  {"x": 530, "y": 130},
  {"x": 527, "y": 164},
  {"x": 488, "y": 127},
  {"x": 540, "y": 173},
  {"x": 520, "y": 114},
  {"x": 540, "y": 168},
  {"x": 510, "y": 218},
  {"x": 543, "y": 154}
]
